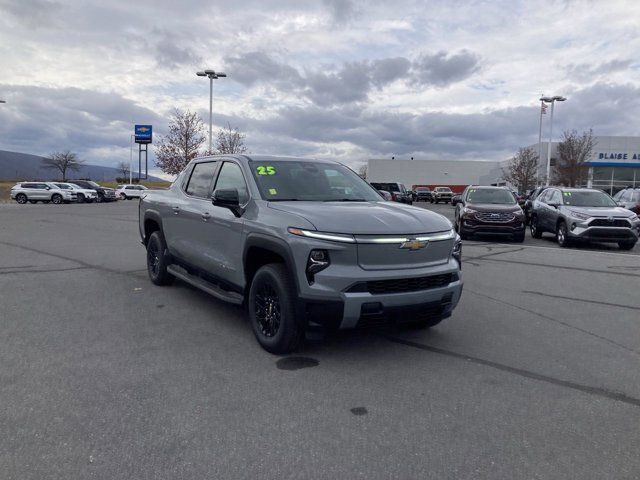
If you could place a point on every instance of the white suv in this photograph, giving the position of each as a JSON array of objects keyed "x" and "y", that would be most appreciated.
[
  {"x": 44, "y": 192},
  {"x": 85, "y": 195},
  {"x": 127, "y": 192}
]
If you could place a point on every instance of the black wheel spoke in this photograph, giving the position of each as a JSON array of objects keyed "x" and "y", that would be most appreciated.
[{"x": 267, "y": 305}]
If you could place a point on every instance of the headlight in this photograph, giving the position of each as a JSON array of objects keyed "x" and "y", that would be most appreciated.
[
  {"x": 633, "y": 217},
  {"x": 331, "y": 237},
  {"x": 457, "y": 250},
  {"x": 579, "y": 215}
]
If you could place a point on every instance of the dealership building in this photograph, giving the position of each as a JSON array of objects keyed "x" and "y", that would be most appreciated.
[{"x": 613, "y": 165}]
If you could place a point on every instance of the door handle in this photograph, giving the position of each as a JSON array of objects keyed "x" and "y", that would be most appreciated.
[
  {"x": 206, "y": 216},
  {"x": 176, "y": 210}
]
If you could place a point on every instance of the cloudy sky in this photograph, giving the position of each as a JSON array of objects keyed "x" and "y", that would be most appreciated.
[{"x": 349, "y": 79}]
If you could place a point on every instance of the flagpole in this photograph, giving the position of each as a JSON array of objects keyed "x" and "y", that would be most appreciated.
[{"x": 540, "y": 130}]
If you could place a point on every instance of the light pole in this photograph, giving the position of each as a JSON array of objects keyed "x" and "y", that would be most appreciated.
[
  {"x": 552, "y": 101},
  {"x": 212, "y": 76}
]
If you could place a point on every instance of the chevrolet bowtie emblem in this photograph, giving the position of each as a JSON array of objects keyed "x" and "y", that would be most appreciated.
[
  {"x": 413, "y": 244},
  {"x": 143, "y": 129}
]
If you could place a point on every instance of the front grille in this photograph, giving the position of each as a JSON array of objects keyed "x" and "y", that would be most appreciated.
[
  {"x": 498, "y": 217},
  {"x": 605, "y": 222},
  {"x": 401, "y": 285},
  {"x": 406, "y": 314},
  {"x": 598, "y": 233}
]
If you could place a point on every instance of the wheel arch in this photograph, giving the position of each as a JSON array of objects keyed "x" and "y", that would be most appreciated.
[
  {"x": 152, "y": 223},
  {"x": 260, "y": 250}
]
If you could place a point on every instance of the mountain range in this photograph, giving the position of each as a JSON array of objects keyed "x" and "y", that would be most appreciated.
[{"x": 23, "y": 166}]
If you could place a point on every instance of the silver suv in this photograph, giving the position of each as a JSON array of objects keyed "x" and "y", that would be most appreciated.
[
  {"x": 583, "y": 214},
  {"x": 300, "y": 242},
  {"x": 45, "y": 192}
]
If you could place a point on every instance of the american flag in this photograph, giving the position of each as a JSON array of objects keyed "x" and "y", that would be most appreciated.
[{"x": 543, "y": 108}]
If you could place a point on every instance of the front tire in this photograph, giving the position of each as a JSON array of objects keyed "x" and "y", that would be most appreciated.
[
  {"x": 21, "y": 198},
  {"x": 272, "y": 309},
  {"x": 100, "y": 198},
  {"x": 157, "y": 260},
  {"x": 626, "y": 245},
  {"x": 81, "y": 198},
  {"x": 518, "y": 237},
  {"x": 535, "y": 229},
  {"x": 562, "y": 235}
]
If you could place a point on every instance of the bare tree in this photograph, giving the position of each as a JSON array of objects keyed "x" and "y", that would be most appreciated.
[
  {"x": 176, "y": 149},
  {"x": 362, "y": 171},
  {"x": 124, "y": 169},
  {"x": 574, "y": 151},
  {"x": 522, "y": 169},
  {"x": 230, "y": 140},
  {"x": 63, "y": 162}
]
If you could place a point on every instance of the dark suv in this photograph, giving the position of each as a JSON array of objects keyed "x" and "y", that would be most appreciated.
[
  {"x": 397, "y": 190},
  {"x": 489, "y": 211},
  {"x": 105, "y": 194},
  {"x": 629, "y": 198},
  {"x": 423, "y": 194}
]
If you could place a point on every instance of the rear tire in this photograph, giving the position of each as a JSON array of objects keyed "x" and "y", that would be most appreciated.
[
  {"x": 626, "y": 245},
  {"x": 56, "y": 199},
  {"x": 562, "y": 235},
  {"x": 157, "y": 260},
  {"x": 535, "y": 229},
  {"x": 272, "y": 311},
  {"x": 21, "y": 198}
]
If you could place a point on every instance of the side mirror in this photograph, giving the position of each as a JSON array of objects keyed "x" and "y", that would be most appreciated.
[
  {"x": 554, "y": 205},
  {"x": 47, "y": 187},
  {"x": 228, "y": 198}
]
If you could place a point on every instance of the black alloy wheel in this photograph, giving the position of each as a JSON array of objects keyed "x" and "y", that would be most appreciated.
[
  {"x": 156, "y": 260},
  {"x": 535, "y": 230},
  {"x": 268, "y": 313}
]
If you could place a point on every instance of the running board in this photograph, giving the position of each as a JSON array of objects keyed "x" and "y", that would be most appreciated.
[{"x": 210, "y": 288}]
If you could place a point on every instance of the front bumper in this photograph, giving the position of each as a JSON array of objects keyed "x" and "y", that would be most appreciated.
[
  {"x": 603, "y": 234},
  {"x": 475, "y": 227},
  {"x": 348, "y": 309}
]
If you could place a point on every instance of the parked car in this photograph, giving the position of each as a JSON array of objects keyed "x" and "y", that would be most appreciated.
[
  {"x": 127, "y": 192},
  {"x": 272, "y": 234},
  {"x": 423, "y": 194},
  {"x": 397, "y": 190},
  {"x": 455, "y": 200},
  {"x": 587, "y": 214},
  {"x": 489, "y": 211},
  {"x": 528, "y": 203},
  {"x": 441, "y": 194},
  {"x": 386, "y": 195},
  {"x": 84, "y": 195},
  {"x": 105, "y": 194},
  {"x": 45, "y": 192},
  {"x": 629, "y": 198}
]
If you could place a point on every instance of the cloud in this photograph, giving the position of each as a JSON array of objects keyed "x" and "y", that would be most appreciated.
[
  {"x": 353, "y": 81},
  {"x": 441, "y": 69},
  {"x": 587, "y": 71},
  {"x": 342, "y": 11}
]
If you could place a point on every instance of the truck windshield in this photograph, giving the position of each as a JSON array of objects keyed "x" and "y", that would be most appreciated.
[
  {"x": 587, "y": 198},
  {"x": 310, "y": 181}
]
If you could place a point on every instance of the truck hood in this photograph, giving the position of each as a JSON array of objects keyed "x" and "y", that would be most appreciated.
[{"x": 366, "y": 217}]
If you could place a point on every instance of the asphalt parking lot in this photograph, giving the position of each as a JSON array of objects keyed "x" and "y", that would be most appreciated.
[{"x": 104, "y": 375}]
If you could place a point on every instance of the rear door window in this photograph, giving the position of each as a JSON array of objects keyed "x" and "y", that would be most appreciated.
[{"x": 201, "y": 179}]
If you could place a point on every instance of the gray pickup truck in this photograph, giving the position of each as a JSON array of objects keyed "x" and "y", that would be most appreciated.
[{"x": 300, "y": 242}]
